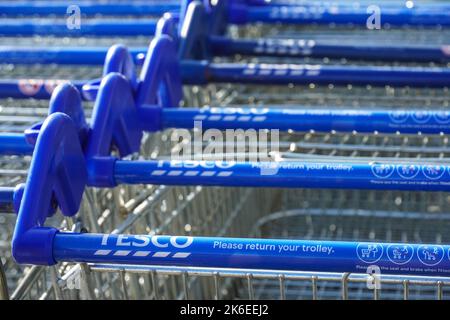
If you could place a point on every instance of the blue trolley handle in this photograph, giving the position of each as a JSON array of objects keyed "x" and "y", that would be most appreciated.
[
  {"x": 196, "y": 72},
  {"x": 320, "y": 49},
  {"x": 436, "y": 5},
  {"x": 222, "y": 46},
  {"x": 296, "y": 174},
  {"x": 87, "y": 8},
  {"x": 202, "y": 72},
  {"x": 242, "y": 14},
  {"x": 271, "y": 254},
  {"x": 103, "y": 28}
]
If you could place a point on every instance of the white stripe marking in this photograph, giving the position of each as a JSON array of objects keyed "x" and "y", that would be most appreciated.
[
  {"x": 225, "y": 173},
  {"x": 181, "y": 255},
  {"x": 175, "y": 173},
  {"x": 191, "y": 173},
  {"x": 161, "y": 254},
  {"x": 158, "y": 172},
  {"x": 102, "y": 252},
  {"x": 122, "y": 253},
  {"x": 296, "y": 72},
  {"x": 141, "y": 253},
  {"x": 265, "y": 72},
  {"x": 281, "y": 72},
  {"x": 208, "y": 173},
  {"x": 214, "y": 118},
  {"x": 244, "y": 118},
  {"x": 260, "y": 118},
  {"x": 229, "y": 118}
]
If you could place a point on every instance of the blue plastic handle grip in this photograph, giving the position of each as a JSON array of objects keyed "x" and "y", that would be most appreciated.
[
  {"x": 241, "y": 14},
  {"x": 103, "y": 28},
  {"x": 296, "y": 174},
  {"x": 298, "y": 119},
  {"x": 194, "y": 72},
  {"x": 272, "y": 254},
  {"x": 88, "y": 8},
  {"x": 310, "y": 48}
]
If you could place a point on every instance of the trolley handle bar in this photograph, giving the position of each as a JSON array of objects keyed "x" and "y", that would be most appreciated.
[
  {"x": 296, "y": 119},
  {"x": 272, "y": 254},
  {"x": 203, "y": 72},
  {"x": 293, "y": 174}
]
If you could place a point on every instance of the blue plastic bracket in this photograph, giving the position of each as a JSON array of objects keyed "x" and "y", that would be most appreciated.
[
  {"x": 167, "y": 25},
  {"x": 57, "y": 175},
  {"x": 66, "y": 99},
  {"x": 118, "y": 59},
  {"x": 218, "y": 12},
  {"x": 115, "y": 124},
  {"x": 194, "y": 33},
  {"x": 121, "y": 114},
  {"x": 160, "y": 82}
]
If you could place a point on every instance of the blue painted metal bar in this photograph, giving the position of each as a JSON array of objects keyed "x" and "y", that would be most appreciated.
[
  {"x": 6, "y": 200},
  {"x": 301, "y": 119},
  {"x": 194, "y": 72},
  {"x": 6, "y": 195},
  {"x": 297, "y": 119},
  {"x": 272, "y": 254},
  {"x": 412, "y": 5},
  {"x": 57, "y": 55},
  {"x": 14, "y": 143},
  {"x": 203, "y": 72},
  {"x": 297, "y": 174},
  {"x": 242, "y": 14},
  {"x": 87, "y": 28},
  {"x": 320, "y": 49},
  {"x": 88, "y": 8},
  {"x": 226, "y": 46},
  {"x": 33, "y": 88}
]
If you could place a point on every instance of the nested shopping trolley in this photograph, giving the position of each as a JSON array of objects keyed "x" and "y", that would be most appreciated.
[{"x": 185, "y": 275}]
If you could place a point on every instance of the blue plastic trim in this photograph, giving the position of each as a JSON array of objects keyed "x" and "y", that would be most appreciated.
[{"x": 57, "y": 172}]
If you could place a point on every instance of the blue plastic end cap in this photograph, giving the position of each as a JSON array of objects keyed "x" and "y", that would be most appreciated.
[{"x": 35, "y": 246}]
